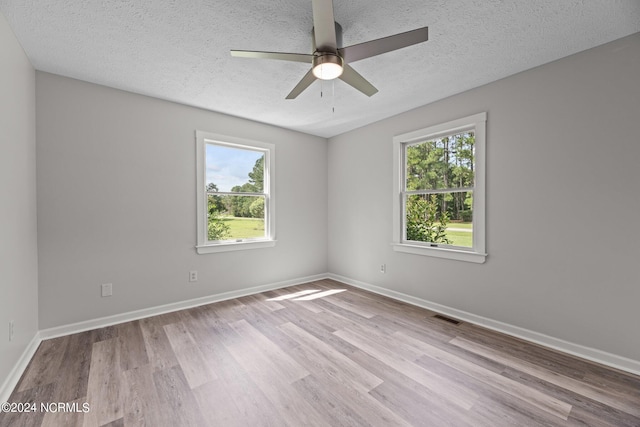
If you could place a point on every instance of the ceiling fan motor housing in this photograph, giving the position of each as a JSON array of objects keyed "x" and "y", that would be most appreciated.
[{"x": 338, "y": 37}]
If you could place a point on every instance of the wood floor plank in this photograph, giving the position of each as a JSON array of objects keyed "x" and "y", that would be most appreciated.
[
  {"x": 309, "y": 306},
  {"x": 285, "y": 401},
  {"x": 455, "y": 393},
  {"x": 194, "y": 366},
  {"x": 290, "y": 297},
  {"x": 229, "y": 310},
  {"x": 217, "y": 405},
  {"x": 327, "y": 361},
  {"x": 351, "y": 409},
  {"x": 33, "y": 418},
  {"x": 608, "y": 397},
  {"x": 74, "y": 418},
  {"x": 249, "y": 404},
  {"x": 532, "y": 396},
  {"x": 419, "y": 406},
  {"x": 289, "y": 294},
  {"x": 177, "y": 405},
  {"x": 157, "y": 344},
  {"x": 275, "y": 360},
  {"x": 140, "y": 398},
  {"x": 45, "y": 369},
  {"x": 351, "y": 308},
  {"x": 236, "y": 403},
  {"x": 233, "y": 398},
  {"x": 307, "y": 321},
  {"x": 552, "y": 359},
  {"x": 266, "y": 322},
  {"x": 602, "y": 376},
  {"x": 268, "y": 304},
  {"x": 103, "y": 334},
  {"x": 274, "y": 372},
  {"x": 73, "y": 374},
  {"x": 432, "y": 334},
  {"x": 403, "y": 395},
  {"x": 584, "y": 411},
  {"x": 104, "y": 391},
  {"x": 501, "y": 411},
  {"x": 131, "y": 346}
]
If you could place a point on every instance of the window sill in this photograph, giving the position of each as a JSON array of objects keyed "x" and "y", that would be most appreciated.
[
  {"x": 454, "y": 254},
  {"x": 234, "y": 246}
]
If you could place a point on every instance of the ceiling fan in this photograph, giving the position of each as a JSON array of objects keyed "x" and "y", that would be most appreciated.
[{"x": 329, "y": 60}]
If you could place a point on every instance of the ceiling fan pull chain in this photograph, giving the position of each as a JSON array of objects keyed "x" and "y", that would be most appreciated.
[{"x": 333, "y": 96}]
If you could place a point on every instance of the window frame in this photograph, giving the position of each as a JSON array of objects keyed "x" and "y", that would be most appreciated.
[
  {"x": 204, "y": 245},
  {"x": 476, "y": 254}
]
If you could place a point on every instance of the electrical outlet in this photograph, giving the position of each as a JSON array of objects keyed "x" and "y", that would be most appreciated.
[
  {"x": 11, "y": 330},
  {"x": 107, "y": 289},
  {"x": 193, "y": 276},
  {"x": 383, "y": 268}
]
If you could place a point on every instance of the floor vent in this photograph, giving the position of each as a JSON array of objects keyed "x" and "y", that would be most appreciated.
[{"x": 447, "y": 319}]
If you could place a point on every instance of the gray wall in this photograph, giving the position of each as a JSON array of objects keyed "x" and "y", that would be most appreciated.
[
  {"x": 563, "y": 202},
  {"x": 18, "y": 251},
  {"x": 117, "y": 203}
]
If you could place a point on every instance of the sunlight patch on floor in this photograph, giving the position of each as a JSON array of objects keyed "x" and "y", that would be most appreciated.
[
  {"x": 307, "y": 295},
  {"x": 294, "y": 295},
  {"x": 319, "y": 295}
]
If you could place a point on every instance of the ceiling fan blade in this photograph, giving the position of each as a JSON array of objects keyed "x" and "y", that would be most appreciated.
[
  {"x": 302, "y": 85},
  {"x": 351, "y": 77},
  {"x": 324, "y": 29},
  {"x": 296, "y": 57},
  {"x": 371, "y": 48}
]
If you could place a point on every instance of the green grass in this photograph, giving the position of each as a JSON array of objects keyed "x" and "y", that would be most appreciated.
[
  {"x": 244, "y": 228},
  {"x": 460, "y": 238},
  {"x": 457, "y": 236},
  {"x": 467, "y": 225}
]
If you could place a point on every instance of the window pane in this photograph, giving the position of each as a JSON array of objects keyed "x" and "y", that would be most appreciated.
[
  {"x": 235, "y": 217},
  {"x": 234, "y": 169},
  {"x": 441, "y": 163},
  {"x": 443, "y": 218}
]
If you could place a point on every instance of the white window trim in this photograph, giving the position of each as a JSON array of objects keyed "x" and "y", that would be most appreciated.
[
  {"x": 477, "y": 254},
  {"x": 203, "y": 245}
]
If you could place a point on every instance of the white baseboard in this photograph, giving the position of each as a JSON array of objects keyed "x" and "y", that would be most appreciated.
[
  {"x": 588, "y": 353},
  {"x": 14, "y": 376},
  {"x": 101, "y": 322}
]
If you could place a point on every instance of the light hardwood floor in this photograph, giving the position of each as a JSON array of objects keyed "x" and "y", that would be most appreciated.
[{"x": 320, "y": 354}]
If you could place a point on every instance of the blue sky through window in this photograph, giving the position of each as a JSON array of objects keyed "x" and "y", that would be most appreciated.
[{"x": 229, "y": 166}]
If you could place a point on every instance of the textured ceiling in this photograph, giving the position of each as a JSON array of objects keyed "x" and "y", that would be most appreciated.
[{"x": 179, "y": 51}]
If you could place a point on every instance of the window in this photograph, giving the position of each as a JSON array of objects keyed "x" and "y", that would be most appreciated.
[
  {"x": 439, "y": 198},
  {"x": 235, "y": 201}
]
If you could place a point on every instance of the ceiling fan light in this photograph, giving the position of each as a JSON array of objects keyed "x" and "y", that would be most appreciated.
[{"x": 327, "y": 66}]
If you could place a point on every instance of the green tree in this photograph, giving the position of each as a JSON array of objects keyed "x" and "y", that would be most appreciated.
[
  {"x": 425, "y": 221},
  {"x": 241, "y": 206},
  {"x": 217, "y": 229},
  {"x": 256, "y": 208},
  {"x": 215, "y": 202},
  {"x": 256, "y": 176}
]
